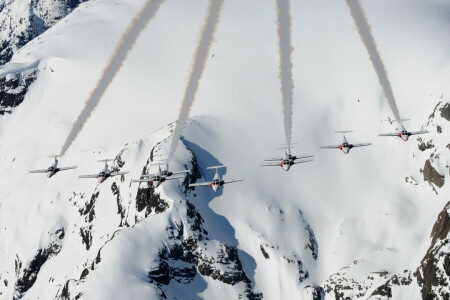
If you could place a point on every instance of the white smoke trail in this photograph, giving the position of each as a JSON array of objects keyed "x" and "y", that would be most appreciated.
[
  {"x": 365, "y": 33},
  {"x": 285, "y": 48},
  {"x": 198, "y": 66},
  {"x": 129, "y": 37}
]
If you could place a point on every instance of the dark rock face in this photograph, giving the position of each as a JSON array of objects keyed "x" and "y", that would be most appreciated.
[
  {"x": 186, "y": 257},
  {"x": 431, "y": 175},
  {"x": 27, "y": 276},
  {"x": 385, "y": 290},
  {"x": 433, "y": 272},
  {"x": 149, "y": 201},
  {"x": 264, "y": 253},
  {"x": 88, "y": 210},
  {"x": 342, "y": 285},
  {"x": 86, "y": 236},
  {"x": 13, "y": 90},
  {"x": 425, "y": 146},
  {"x": 315, "y": 292},
  {"x": 445, "y": 111}
]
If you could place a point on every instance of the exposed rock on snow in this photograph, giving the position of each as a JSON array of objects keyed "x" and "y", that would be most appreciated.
[
  {"x": 22, "y": 21},
  {"x": 13, "y": 88}
]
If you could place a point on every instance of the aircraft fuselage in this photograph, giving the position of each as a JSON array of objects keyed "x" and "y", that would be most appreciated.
[
  {"x": 216, "y": 182},
  {"x": 52, "y": 170},
  {"x": 404, "y": 135},
  {"x": 345, "y": 147}
]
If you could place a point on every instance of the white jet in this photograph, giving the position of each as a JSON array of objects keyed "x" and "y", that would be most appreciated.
[
  {"x": 157, "y": 178},
  {"x": 217, "y": 182},
  {"x": 403, "y": 133},
  {"x": 53, "y": 169},
  {"x": 104, "y": 173},
  {"x": 345, "y": 146},
  {"x": 288, "y": 160}
]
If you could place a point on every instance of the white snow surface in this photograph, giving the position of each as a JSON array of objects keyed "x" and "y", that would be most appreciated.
[{"x": 359, "y": 206}]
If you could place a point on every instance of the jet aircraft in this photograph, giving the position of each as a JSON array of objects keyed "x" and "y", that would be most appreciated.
[
  {"x": 104, "y": 173},
  {"x": 345, "y": 146},
  {"x": 157, "y": 178},
  {"x": 402, "y": 132},
  {"x": 288, "y": 160},
  {"x": 53, "y": 169},
  {"x": 217, "y": 182}
]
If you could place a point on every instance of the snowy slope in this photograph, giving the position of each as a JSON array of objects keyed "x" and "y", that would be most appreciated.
[
  {"x": 22, "y": 21},
  {"x": 279, "y": 235}
]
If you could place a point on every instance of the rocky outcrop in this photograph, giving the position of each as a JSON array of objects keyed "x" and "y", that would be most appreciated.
[
  {"x": 188, "y": 256},
  {"x": 342, "y": 285},
  {"x": 431, "y": 175},
  {"x": 13, "y": 89},
  {"x": 445, "y": 111},
  {"x": 26, "y": 276},
  {"x": 433, "y": 274},
  {"x": 22, "y": 21}
]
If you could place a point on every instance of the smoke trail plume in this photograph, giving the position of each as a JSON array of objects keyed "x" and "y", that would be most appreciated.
[
  {"x": 129, "y": 37},
  {"x": 365, "y": 33},
  {"x": 200, "y": 56},
  {"x": 287, "y": 84}
]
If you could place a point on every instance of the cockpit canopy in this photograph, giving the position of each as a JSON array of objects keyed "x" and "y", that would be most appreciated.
[
  {"x": 216, "y": 182},
  {"x": 345, "y": 145}
]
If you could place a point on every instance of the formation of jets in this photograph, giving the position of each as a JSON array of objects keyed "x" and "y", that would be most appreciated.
[{"x": 285, "y": 162}]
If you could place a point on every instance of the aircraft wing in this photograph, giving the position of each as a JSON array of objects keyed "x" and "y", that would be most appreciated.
[
  {"x": 177, "y": 177},
  {"x": 88, "y": 176},
  {"x": 231, "y": 181},
  {"x": 388, "y": 134},
  {"x": 38, "y": 171},
  {"x": 181, "y": 172},
  {"x": 304, "y": 156},
  {"x": 200, "y": 184},
  {"x": 270, "y": 165},
  {"x": 148, "y": 175},
  {"x": 418, "y": 132},
  {"x": 118, "y": 173},
  {"x": 303, "y": 161},
  {"x": 67, "y": 168},
  {"x": 140, "y": 180},
  {"x": 361, "y": 145},
  {"x": 273, "y": 159},
  {"x": 330, "y": 147}
]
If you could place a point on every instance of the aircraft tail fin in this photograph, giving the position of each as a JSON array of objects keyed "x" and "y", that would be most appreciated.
[
  {"x": 289, "y": 146},
  {"x": 105, "y": 160},
  {"x": 55, "y": 156},
  {"x": 215, "y": 167}
]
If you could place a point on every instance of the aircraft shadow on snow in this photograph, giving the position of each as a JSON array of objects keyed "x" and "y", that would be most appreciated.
[{"x": 219, "y": 227}]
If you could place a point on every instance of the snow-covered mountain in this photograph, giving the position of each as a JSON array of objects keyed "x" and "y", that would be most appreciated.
[
  {"x": 373, "y": 224},
  {"x": 22, "y": 21}
]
